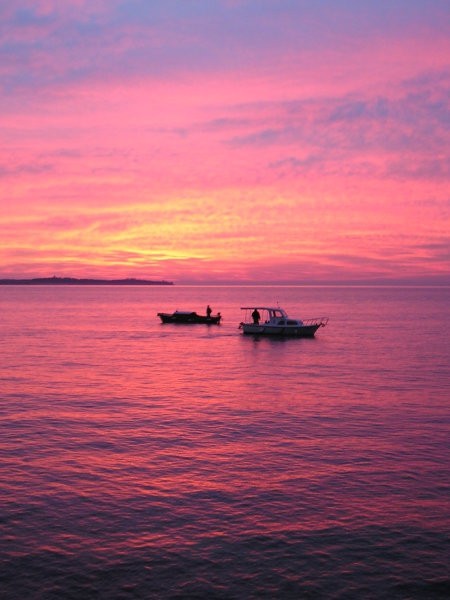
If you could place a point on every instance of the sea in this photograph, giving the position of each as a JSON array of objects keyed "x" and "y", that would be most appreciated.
[{"x": 142, "y": 460}]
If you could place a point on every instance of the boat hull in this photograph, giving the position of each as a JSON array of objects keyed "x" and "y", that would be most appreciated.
[
  {"x": 190, "y": 318},
  {"x": 280, "y": 331}
]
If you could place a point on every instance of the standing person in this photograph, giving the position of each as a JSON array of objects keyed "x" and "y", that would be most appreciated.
[
  {"x": 256, "y": 316},
  {"x": 208, "y": 311}
]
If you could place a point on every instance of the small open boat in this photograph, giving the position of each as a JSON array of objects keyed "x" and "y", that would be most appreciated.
[
  {"x": 274, "y": 321},
  {"x": 185, "y": 316}
]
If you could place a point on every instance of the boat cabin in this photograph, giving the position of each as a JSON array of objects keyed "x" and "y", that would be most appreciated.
[{"x": 271, "y": 316}]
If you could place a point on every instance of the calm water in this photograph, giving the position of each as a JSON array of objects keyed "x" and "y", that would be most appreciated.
[{"x": 141, "y": 460}]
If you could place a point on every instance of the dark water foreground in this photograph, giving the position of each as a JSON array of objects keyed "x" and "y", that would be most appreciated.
[
  {"x": 141, "y": 460},
  {"x": 375, "y": 563}
]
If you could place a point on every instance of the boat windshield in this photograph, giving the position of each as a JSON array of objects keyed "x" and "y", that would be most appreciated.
[{"x": 277, "y": 313}]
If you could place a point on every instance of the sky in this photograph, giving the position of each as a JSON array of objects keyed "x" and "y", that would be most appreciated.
[{"x": 226, "y": 141}]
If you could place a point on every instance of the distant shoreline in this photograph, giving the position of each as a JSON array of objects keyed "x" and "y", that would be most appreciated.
[{"x": 74, "y": 281}]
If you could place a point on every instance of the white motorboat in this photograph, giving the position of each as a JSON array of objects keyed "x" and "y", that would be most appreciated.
[{"x": 264, "y": 320}]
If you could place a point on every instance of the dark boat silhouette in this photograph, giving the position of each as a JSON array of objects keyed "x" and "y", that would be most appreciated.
[{"x": 184, "y": 316}]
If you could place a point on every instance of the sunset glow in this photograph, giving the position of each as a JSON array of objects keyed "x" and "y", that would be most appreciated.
[{"x": 225, "y": 140}]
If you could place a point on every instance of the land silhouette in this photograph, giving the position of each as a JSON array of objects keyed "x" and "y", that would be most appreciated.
[{"x": 73, "y": 281}]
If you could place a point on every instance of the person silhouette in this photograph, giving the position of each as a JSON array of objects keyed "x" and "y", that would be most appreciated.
[
  {"x": 208, "y": 311},
  {"x": 256, "y": 316}
]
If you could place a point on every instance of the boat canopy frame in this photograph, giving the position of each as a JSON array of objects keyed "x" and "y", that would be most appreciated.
[{"x": 271, "y": 310}]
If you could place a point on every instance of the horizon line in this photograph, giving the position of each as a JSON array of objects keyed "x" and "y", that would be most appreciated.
[{"x": 49, "y": 280}]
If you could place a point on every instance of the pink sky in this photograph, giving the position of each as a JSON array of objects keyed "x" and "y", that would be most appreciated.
[{"x": 264, "y": 141}]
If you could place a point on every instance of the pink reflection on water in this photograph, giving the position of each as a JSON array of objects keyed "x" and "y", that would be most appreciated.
[{"x": 124, "y": 436}]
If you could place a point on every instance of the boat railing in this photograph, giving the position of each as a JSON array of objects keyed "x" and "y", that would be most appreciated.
[{"x": 321, "y": 321}]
